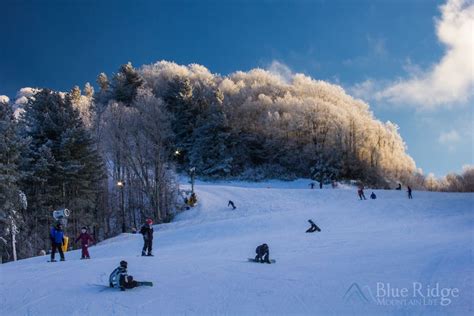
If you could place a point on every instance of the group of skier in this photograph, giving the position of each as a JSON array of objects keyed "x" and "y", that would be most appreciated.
[{"x": 360, "y": 192}]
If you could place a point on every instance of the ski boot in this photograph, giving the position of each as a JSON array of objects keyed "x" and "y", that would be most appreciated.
[
  {"x": 150, "y": 254},
  {"x": 143, "y": 253}
]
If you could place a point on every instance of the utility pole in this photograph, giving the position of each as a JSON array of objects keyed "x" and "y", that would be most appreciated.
[
  {"x": 121, "y": 185},
  {"x": 192, "y": 172}
]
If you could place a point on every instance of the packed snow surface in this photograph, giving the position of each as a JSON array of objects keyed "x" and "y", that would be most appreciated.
[{"x": 365, "y": 253}]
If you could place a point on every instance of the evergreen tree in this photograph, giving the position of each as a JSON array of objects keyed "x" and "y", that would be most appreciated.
[
  {"x": 12, "y": 200},
  {"x": 125, "y": 84},
  {"x": 64, "y": 166}
]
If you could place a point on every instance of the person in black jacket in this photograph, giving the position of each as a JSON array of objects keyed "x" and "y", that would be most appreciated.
[
  {"x": 313, "y": 227},
  {"x": 263, "y": 254},
  {"x": 231, "y": 203},
  {"x": 373, "y": 196},
  {"x": 147, "y": 232},
  {"x": 409, "y": 193}
]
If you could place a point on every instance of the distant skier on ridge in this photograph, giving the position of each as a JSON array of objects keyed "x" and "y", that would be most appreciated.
[
  {"x": 409, "y": 193},
  {"x": 360, "y": 191},
  {"x": 231, "y": 203}
]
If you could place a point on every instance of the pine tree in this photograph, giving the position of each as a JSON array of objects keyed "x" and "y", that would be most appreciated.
[
  {"x": 125, "y": 84},
  {"x": 64, "y": 166},
  {"x": 12, "y": 200}
]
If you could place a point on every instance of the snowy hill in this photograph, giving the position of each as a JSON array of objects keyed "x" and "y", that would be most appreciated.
[{"x": 200, "y": 266}]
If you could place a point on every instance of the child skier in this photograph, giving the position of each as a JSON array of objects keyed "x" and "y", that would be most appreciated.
[
  {"x": 313, "y": 227},
  {"x": 120, "y": 278},
  {"x": 231, "y": 204},
  {"x": 57, "y": 239},
  {"x": 263, "y": 254},
  {"x": 85, "y": 238},
  {"x": 147, "y": 232}
]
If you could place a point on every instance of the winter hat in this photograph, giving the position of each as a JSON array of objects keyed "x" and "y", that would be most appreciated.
[
  {"x": 123, "y": 264},
  {"x": 149, "y": 221},
  {"x": 85, "y": 228}
]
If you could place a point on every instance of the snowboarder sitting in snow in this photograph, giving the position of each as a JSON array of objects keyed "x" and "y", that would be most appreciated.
[
  {"x": 373, "y": 196},
  {"x": 313, "y": 227},
  {"x": 147, "y": 232},
  {"x": 399, "y": 187},
  {"x": 57, "y": 240},
  {"x": 85, "y": 238},
  {"x": 263, "y": 254},
  {"x": 231, "y": 204},
  {"x": 361, "y": 193},
  {"x": 120, "y": 278}
]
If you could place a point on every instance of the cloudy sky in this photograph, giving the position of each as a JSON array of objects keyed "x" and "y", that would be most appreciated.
[{"x": 412, "y": 61}]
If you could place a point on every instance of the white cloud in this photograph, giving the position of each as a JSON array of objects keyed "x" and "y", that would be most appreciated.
[
  {"x": 448, "y": 82},
  {"x": 281, "y": 70},
  {"x": 449, "y": 139}
]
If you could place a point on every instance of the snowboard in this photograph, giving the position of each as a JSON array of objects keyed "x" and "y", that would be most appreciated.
[
  {"x": 253, "y": 260},
  {"x": 105, "y": 287}
]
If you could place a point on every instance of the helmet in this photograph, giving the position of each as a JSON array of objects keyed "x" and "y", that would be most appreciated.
[
  {"x": 123, "y": 264},
  {"x": 149, "y": 221}
]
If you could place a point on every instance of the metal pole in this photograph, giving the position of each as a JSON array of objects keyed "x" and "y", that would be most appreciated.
[{"x": 123, "y": 209}]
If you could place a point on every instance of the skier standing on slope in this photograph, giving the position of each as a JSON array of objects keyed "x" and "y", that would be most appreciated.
[
  {"x": 120, "y": 278},
  {"x": 361, "y": 192},
  {"x": 147, "y": 232},
  {"x": 263, "y": 254},
  {"x": 312, "y": 184},
  {"x": 313, "y": 227},
  {"x": 231, "y": 204},
  {"x": 56, "y": 235},
  {"x": 85, "y": 238},
  {"x": 409, "y": 193}
]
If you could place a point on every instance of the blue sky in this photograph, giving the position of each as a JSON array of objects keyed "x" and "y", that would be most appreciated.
[{"x": 407, "y": 59}]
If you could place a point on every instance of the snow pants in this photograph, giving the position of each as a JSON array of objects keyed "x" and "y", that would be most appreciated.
[
  {"x": 147, "y": 245},
  {"x": 85, "y": 251},
  {"x": 58, "y": 247}
]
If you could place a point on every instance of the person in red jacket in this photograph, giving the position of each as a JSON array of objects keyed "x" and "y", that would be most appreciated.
[{"x": 85, "y": 238}]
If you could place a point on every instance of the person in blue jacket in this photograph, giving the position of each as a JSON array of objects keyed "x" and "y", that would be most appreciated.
[{"x": 57, "y": 239}]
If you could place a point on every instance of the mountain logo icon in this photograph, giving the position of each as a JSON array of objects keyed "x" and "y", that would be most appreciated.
[{"x": 355, "y": 294}]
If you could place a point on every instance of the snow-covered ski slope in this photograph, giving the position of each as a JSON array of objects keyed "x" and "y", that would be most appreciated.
[{"x": 200, "y": 265}]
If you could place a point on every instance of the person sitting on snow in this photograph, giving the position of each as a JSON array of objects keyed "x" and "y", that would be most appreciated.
[
  {"x": 85, "y": 238},
  {"x": 147, "y": 232},
  {"x": 313, "y": 227},
  {"x": 373, "y": 196},
  {"x": 263, "y": 254},
  {"x": 231, "y": 204},
  {"x": 120, "y": 278}
]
